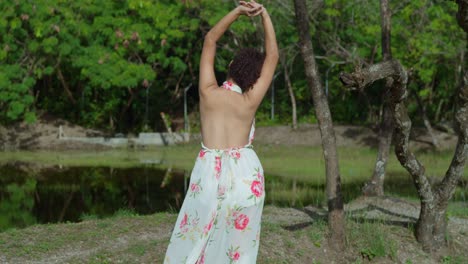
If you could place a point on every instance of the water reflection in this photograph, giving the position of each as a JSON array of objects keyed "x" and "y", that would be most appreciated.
[{"x": 30, "y": 194}]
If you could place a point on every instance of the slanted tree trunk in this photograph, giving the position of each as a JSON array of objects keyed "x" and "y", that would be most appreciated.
[
  {"x": 432, "y": 222},
  {"x": 375, "y": 186},
  {"x": 427, "y": 123},
  {"x": 322, "y": 111},
  {"x": 290, "y": 91},
  {"x": 65, "y": 86}
]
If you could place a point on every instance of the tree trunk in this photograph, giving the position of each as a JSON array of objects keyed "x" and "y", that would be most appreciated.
[
  {"x": 431, "y": 225},
  {"x": 375, "y": 187},
  {"x": 322, "y": 111},
  {"x": 65, "y": 86},
  {"x": 290, "y": 91},
  {"x": 427, "y": 123}
]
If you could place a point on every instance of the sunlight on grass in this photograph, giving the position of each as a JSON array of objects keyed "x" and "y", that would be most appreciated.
[{"x": 300, "y": 162}]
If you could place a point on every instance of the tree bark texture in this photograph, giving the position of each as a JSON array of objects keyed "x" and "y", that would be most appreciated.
[
  {"x": 290, "y": 91},
  {"x": 322, "y": 111},
  {"x": 462, "y": 15},
  {"x": 375, "y": 187},
  {"x": 427, "y": 123},
  {"x": 386, "y": 27},
  {"x": 431, "y": 225}
]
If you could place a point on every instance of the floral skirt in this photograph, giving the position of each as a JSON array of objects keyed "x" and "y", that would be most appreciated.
[{"x": 219, "y": 221}]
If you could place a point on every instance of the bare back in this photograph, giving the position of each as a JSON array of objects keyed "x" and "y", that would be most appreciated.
[{"x": 226, "y": 118}]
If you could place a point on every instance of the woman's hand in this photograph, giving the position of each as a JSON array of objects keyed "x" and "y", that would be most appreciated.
[{"x": 250, "y": 9}]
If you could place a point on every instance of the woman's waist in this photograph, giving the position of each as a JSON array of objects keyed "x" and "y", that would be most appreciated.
[
  {"x": 226, "y": 149},
  {"x": 224, "y": 139}
]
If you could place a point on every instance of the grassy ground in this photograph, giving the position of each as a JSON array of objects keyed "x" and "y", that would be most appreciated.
[
  {"x": 300, "y": 162},
  {"x": 298, "y": 238},
  {"x": 128, "y": 238}
]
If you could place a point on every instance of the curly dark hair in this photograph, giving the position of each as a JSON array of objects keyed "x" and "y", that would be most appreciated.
[{"x": 246, "y": 67}]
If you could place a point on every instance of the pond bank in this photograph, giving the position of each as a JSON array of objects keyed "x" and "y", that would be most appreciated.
[{"x": 45, "y": 135}]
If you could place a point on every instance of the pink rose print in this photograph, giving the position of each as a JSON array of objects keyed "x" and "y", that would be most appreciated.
[
  {"x": 183, "y": 224},
  {"x": 201, "y": 260},
  {"x": 195, "y": 187},
  {"x": 227, "y": 85},
  {"x": 217, "y": 167},
  {"x": 241, "y": 222},
  {"x": 188, "y": 225},
  {"x": 260, "y": 177},
  {"x": 184, "y": 221},
  {"x": 233, "y": 254},
  {"x": 257, "y": 188},
  {"x": 221, "y": 190},
  {"x": 201, "y": 154},
  {"x": 235, "y": 153},
  {"x": 236, "y": 256},
  {"x": 208, "y": 227}
]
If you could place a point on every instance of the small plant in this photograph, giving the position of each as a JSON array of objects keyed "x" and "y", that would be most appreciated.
[
  {"x": 125, "y": 212},
  {"x": 368, "y": 253},
  {"x": 317, "y": 237},
  {"x": 88, "y": 217},
  {"x": 446, "y": 259},
  {"x": 453, "y": 260},
  {"x": 372, "y": 241}
]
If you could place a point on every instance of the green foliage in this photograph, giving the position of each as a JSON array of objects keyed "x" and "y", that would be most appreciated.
[
  {"x": 98, "y": 63},
  {"x": 453, "y": 260},
  {"x": 125, "y": 213},
  {"x": 425, "y": 38}
]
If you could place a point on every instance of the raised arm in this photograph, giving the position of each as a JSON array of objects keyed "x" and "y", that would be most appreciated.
[
  {"x": 207, "y": 78},
  {"x": 255, "y": 96}
]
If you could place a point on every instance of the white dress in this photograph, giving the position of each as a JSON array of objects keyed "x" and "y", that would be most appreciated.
[{"x": 219, "y": 221}]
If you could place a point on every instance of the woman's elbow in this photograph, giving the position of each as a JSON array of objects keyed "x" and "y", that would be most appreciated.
[
  {"x": 273, "y": 55},
  {"x": 209, "y": 38}
]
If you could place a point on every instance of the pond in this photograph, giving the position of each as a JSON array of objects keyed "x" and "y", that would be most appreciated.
[{"x": 31, "y": 194}]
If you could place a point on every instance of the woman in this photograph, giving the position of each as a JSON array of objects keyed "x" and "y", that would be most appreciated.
[{"x": 219, "y": 221}]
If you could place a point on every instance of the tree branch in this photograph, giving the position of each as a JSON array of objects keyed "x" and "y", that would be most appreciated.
[
  {"x": 393, "y": 69},
  {"x": 457, "y": 165},
  {"x": 65, "y": 86},
  {"x": 362, "y": 78}
]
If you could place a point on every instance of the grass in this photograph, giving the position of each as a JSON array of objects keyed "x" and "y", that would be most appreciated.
[
  {"x": 130, "y": 238},
  {"x": 306, "y": 164},
  {"x": 372, "y": 241}
]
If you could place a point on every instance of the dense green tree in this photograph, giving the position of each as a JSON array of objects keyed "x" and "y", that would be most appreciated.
[{"x": 99, "y": 63}]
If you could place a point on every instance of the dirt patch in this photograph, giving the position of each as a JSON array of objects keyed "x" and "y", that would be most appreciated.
[
  {"x": 44, "y": 134},
  {"x": 347, "y": 135}
]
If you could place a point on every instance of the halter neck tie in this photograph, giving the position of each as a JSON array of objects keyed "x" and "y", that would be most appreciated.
[{"x": 232, "y": 87}]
